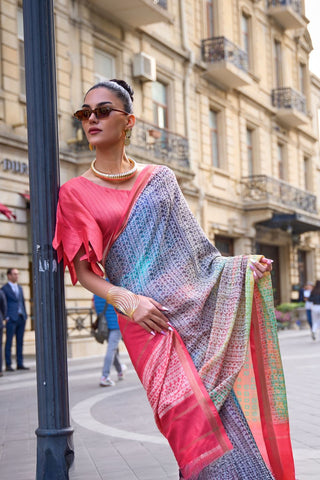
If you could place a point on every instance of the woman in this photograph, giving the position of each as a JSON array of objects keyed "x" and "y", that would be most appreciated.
[
  {"x": 197, "y": 369},
  {"x": 308, "y": 305},
  {"x": 314, "y": 300}
]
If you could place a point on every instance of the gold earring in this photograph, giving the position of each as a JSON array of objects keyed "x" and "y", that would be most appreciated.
[
  {"x": 128, "y": 136},
  {"x": 91, "y": 147}
]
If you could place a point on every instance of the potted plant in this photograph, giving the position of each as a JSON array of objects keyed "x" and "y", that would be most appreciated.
[{"x": 286, "y": 314}]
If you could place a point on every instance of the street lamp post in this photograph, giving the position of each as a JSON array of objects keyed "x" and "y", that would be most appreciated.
[{"x": 54, "y": 434}]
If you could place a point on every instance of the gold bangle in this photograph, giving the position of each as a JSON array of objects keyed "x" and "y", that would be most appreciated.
[{"x": 123, "y": 300}]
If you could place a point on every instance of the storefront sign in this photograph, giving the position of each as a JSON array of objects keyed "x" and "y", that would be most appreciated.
[{"x": 15, "y": 166}]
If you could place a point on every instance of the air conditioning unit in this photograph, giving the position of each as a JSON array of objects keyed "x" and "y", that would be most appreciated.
[{"x": 144, "y": 67}]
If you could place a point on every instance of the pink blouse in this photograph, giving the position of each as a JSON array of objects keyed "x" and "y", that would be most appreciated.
[{"x": 90, "y": 215}]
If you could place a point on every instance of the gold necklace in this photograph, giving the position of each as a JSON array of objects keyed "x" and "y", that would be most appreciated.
[{"x": 117, "y": 177}]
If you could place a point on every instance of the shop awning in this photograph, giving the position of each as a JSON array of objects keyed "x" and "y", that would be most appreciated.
[
  {"x": 7, "y": 212},
  {"x": 295, "y": 223}
]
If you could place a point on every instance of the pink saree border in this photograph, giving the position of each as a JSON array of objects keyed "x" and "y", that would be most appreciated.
[{"x": 206, "y": 440}]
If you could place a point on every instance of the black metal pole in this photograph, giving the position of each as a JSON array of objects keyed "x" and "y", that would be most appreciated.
[{"x": 54, "y": 434}]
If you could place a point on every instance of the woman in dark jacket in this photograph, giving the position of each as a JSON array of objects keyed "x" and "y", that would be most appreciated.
[
  {"x": 3, "y": 315},
  {"x": 315, "y": 309}
]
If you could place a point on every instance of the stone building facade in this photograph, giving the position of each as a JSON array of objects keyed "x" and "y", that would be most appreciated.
[{"x": 223, "y": 95}]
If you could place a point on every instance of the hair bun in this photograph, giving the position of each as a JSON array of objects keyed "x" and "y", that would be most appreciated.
[{"x": 124, "y": 85}]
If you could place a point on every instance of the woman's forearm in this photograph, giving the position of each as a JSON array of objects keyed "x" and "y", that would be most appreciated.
[
  {"x": 94, "y": 283},
  {"x": 88, "y": 279},
  {"x": 145, "y": 311},
  {"x": 123, "y": 300}
]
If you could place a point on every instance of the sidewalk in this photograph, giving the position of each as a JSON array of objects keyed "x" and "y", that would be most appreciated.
[
  {"x": 301, "y": 362},
  {"x": 115, "y": 437}
]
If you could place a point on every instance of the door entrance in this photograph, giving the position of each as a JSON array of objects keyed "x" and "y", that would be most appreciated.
[
  {"x": 302, "y": 267},
  {"x": 271, "y": 251}
]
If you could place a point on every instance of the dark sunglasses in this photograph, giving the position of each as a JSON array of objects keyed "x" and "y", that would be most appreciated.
[{"x": 99, "y": 112}]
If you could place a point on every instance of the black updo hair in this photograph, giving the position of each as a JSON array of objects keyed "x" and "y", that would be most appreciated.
[{"x": 121, "y": 89}]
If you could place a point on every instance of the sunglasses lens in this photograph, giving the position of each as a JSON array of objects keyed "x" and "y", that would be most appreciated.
[
  {"x": 102, "y": 112},
  {"x": 82, "y": 114},
  {"x": 85, "y": 114}
]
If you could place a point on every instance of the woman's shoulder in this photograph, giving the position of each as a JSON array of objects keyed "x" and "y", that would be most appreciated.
[
  {"x": 72, "y": 184},
  {"x": 155, "y": 173},
  {"x": 164, "y": 172},
  {"x": 164, "y": 169},
  {"x": 154, "y": 167},
  {"x": 75, "y": 188}
]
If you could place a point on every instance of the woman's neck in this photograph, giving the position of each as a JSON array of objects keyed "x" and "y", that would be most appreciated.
[{"x": 111, "y": 161}]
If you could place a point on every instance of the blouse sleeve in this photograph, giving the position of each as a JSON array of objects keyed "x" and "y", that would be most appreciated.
[{"x": 76, "y": 227}]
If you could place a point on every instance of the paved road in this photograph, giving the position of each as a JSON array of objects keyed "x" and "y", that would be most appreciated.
[
  {"x": 301, "y": 362},
  {"x": 114, "y": 433}
]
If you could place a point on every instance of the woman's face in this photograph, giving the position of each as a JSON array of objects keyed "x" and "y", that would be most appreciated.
[{"x": 108, "y": 131}]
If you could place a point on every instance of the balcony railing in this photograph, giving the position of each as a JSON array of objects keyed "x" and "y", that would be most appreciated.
[
  {"x": 294, "y": 4},
  {"x": 288, "y": 13},
  {"x": 219, "y": 49},
  {"x": 150, "y": 140},
  {"x": 291, "y": 107},
  {"x": 289, "y": 98},
  {"x": 261, "y": 188}
]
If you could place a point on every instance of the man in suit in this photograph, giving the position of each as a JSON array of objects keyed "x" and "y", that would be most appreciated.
[
  {"x": 3, "y": 316},
  {"x": 16, "y": 318}
]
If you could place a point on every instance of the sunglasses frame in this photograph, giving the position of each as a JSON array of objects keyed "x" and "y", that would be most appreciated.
[{"x": 97, "y": 112}]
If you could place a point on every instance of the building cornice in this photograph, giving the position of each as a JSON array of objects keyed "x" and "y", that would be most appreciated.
[
  {"x": 166, "y": 47},
  {"x": 223, "y": 202},
  {"x": 9, "y": 139}
]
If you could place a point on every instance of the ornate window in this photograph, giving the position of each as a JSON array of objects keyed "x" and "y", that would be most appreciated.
[
  {"x": 278, "y": 64},
  {"x": 160, "y": 104},
  {"x": 210, "y": 19},
  {"x": 250, "y": 159},
  {"x": 104, "y": 66},
  {"x": 307, "y": 173},
  {"x": 281, "y": 166},
  {"x": 213, "y": 121},
  {"x": 302, "y": 78},
  {"x": 246, "y": 36}
]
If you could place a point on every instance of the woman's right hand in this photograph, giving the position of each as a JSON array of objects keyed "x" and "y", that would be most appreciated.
[
  {"x": 148, "y": 313},
  {"x": 149, "y": 316}
]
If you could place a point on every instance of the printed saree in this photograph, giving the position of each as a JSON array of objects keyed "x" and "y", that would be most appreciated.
[{"x": 215, "y": 384}]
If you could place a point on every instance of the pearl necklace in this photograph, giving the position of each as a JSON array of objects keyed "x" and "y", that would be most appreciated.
[{"x": 117, "y": 177}]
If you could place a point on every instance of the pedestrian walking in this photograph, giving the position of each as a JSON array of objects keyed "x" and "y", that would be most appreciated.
[
  {"x": 16, "y": 319},
  {"x": 308, "y": 305},
  {"x": 184, "y": 311},
  {"x": 3, "y": 316},
  {"x": 315, "y": 309},
  {"x": 114, "y": 337}
]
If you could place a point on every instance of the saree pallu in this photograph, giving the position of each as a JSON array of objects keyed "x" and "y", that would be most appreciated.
[
  {"x": 163, "y": 253},
  {"x": 215, "y": 383}
]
